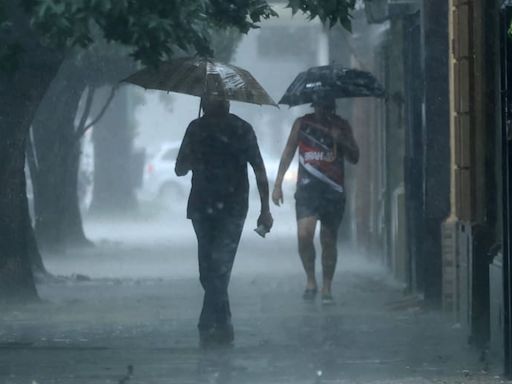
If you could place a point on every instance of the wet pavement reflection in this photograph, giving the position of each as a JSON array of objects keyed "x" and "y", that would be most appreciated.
[{"x": 92, "y": 330}]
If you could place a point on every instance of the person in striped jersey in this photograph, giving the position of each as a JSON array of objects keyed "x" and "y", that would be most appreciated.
[{"x": 324, "y": 141}]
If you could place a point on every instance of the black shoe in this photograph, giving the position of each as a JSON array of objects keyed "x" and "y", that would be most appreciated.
[
  {"x": 225, "y": 335},
  {"x": 309, "y": 294},
  {"x": 207, "y": 337},
  {"x": 327, "y": 299},
  {"x": 216, "y": 336}
]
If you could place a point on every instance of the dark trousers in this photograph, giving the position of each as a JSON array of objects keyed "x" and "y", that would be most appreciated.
[{"x": 217, "y": 239}]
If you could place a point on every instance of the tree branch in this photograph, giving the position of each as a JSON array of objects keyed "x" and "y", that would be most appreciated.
[
  {"x": 31, "y": 154},
  {"x": 85, "y": 114},
  {"x": 81, "y": 131},
  {"x": 32, "y": 161}
]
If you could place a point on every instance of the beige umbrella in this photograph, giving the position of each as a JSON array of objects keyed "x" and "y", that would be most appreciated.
[{"x": 199, "y": 77}]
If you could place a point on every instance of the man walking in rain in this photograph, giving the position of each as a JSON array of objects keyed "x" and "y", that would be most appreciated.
[
  {"x": 324, "y": 140},
  {"x": 217, "y": 148}
]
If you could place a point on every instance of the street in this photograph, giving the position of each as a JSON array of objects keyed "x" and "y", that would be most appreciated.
[{"x": 133, "y": 300}]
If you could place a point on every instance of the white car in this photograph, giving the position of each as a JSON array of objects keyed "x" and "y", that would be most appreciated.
[
  {"x": 159, "y": 180},
  {"x": 272, "y": 166},
  {"x": 161, "y": 183}
]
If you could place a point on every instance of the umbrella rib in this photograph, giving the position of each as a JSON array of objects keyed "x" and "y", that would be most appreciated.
[{"x": 196, "y": 76}]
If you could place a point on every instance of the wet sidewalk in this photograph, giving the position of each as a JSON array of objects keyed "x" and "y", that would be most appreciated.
[
  {"x": 140, "y": 308},
  {"x": 90, "y": 331}
]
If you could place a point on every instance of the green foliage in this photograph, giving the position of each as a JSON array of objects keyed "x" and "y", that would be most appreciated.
[
  {"x": 240, "y": 14},
  {"x": 156, "y": 29},
  {"x": 9, "y": 52},
  {"x": 9, "y": 57},
  {"x": 152, "y": 27},
  {"x": 102, "y": 63},
  {"x": 3, "y": 15},
  {"x": 328, "y": 11},
  {"x": 224, "y": 43}
]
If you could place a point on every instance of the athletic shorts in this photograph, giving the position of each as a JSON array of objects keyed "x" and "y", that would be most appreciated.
[{"x": 324, "y": 204}]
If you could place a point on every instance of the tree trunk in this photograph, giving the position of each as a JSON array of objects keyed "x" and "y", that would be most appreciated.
[
  {"x": 20, "y": 93},
  {"x": 72, "y": 229},
  {"x": 16, "y": 279},
  {"x": 114, "y": 191},
  {"x": 35, "y": 255},
  {"x": 48, "y": 199},
  {"x": 58, "y": 221}
]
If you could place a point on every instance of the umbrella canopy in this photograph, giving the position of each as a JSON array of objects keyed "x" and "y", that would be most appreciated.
[
  {"x": 199, "y": 77},
  {"x": 333, "y": 81}
]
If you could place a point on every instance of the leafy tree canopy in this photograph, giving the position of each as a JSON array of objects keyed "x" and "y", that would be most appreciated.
[
  {"x": 328, "y": 11},
  {"x": 154, "y": 28}
]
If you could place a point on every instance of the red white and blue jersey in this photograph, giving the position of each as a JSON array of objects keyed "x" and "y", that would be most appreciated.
[{"x": 321, "y": 161}]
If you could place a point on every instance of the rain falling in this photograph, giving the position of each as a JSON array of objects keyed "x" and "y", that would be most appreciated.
[{"x": 213, "y": 191}]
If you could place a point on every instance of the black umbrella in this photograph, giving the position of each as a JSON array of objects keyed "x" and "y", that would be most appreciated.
[{"x": 331, "y": 81}]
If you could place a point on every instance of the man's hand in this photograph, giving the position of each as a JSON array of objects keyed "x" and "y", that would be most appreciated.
[
  {"x": 342, "y": 134},
  {"x": 265, "y": 220},
  {"x": 277, "y": 195}
]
